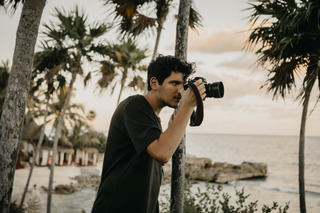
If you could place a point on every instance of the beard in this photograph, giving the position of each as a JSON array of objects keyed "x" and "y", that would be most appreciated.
[{"x": 172, "y": 104}]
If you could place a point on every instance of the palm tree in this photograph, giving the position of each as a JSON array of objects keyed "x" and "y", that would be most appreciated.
[
  {"x": 35, "y": 153},
  {"x": 289, "y": 36},
  {"x": 124, "y": 59},
  {"x": 132, "y": 20},
  {"x": 84, "y": 136},
  {"x": 37, "y": 112},
  {"x": 71, "y": 42},
  {"x": 37, "y": 81},
  {"x": 16, "y": 94}
]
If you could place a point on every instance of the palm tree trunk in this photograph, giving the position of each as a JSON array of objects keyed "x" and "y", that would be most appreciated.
[
  {"x": 35, "y": 155},
  {"x": 178, "y": 159},
  {"x": 162, "y": 13},
  {"x": 302, "y": 198},
  {"x": 16, "y": 96},
  {"x": 120, "y": 93},
  {"x": 56, "y": 139},
  {"x": 311, "y": 76},
  {"x": 155, "y": 50},
  {"x": 123, "y": 80}
]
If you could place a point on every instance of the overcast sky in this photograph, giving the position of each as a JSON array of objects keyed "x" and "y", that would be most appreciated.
[{"x": 217, "y": 49}]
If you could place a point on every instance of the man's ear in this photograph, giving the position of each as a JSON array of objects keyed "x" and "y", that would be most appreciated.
[{"x": 154, "y": 83}]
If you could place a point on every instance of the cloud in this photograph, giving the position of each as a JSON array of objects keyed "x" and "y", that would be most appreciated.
[
  {"x": 221, "y": 40},
  {"x": 245, "y": 61}
]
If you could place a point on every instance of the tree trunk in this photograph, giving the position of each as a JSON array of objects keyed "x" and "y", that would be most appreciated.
[
  {"x": 302, "y": 198},
  {"x": 310, "y": 79},
  {"x": 162, "y": 13},
  {"x": 16, "y": 96},
  {"x": 35, "y": 154},
  {"x": 123, "y": 80},
  {"x": 56, "y": 139},
  {"x": 178, "y": 159},
  {"x": 159, "y": 30}
]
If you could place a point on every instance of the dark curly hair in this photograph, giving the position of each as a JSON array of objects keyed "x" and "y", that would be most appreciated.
[{"x": 162, "y": 67}]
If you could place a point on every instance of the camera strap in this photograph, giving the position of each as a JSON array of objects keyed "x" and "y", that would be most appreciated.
[{"x": 197, "y": 116}]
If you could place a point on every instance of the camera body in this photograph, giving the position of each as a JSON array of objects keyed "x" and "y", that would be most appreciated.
[{"x": 213, "y": 90}]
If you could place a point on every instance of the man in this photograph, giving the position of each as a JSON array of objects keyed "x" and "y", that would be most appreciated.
[{"x": 137, "y": 148}]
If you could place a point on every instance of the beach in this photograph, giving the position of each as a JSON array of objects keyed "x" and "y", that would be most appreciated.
[
  {"x": 280, "y": 153},
  {"x": 63, "y": 175}
]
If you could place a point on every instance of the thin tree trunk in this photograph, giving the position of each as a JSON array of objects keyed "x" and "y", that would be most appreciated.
[
  {"x": 35, "y": 155},
  {"x": 56, "y": 139},
  {"x": 155, "y": 50},
  {"x": 178, "y": 159},
  {"x": 120, "y": 93},
  {"x": 302, "y": 198},
  {"x": 123, "y": 80},
  {"x": 162, "y": 13},
  {"x": 16, "y": 96},
  {"x": 312, "y": 75}
]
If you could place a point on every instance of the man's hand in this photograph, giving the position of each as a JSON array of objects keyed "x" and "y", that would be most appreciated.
[{"x": 188, "y": 99}]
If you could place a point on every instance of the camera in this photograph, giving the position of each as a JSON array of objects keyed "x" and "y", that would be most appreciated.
[{"x": 213, "y": 90}]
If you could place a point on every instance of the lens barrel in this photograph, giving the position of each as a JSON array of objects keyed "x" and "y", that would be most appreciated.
[{"x": 214, "y": 90}]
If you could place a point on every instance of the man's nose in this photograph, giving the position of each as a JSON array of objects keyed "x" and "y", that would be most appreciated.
[{"x": 180, "y": 88}]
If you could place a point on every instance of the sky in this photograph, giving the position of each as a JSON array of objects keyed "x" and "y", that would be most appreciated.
[{"x": 218, "y": 51}]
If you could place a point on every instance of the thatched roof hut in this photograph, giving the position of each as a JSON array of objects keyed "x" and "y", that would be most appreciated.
[{"x": 87, "y": 156}]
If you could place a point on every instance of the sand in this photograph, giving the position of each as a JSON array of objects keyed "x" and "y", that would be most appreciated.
[{"x": 40, "y": 177}]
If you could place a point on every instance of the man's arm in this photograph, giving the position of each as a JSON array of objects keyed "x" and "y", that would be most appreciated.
[{"x": 164, "y": 147}]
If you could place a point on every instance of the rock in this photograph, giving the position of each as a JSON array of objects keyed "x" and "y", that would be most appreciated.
[
  {"x": 64, "y": 189},
  {"x": 223, "y": 172},
  {"x": 87, "y": 181},
  {"x": 202, "y": 169}
]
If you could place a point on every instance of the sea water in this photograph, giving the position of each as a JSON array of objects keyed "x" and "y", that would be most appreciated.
[{"x": 280, "y": 153}]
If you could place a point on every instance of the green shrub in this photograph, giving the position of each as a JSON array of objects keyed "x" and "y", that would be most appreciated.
[{"x": 214, "y": 200}]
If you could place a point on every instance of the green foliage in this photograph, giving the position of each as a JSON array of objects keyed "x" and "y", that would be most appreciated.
[
  {"x": 91, "y": 138},
  {"x": 288, "y": 36},
  {"x": 124, "y": 63},
  {"x": 214, "y": 200}
]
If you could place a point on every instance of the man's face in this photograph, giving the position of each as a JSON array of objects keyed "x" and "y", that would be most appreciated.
[{"x": 169, "y": 91}]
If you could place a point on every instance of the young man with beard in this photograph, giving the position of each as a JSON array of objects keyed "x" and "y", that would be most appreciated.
[{"x": 137, "y": 147}]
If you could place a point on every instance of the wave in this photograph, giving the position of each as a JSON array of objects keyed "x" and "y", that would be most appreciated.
[
  {"x": 287, "y": 189},
  {"x": 280, "y": 189},
  {"x": 265, "y": 186}
]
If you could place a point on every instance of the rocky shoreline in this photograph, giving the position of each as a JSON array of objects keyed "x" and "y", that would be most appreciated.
[
  {"x": 201, "y": 169},
  {"x": 89, "y": 178}
]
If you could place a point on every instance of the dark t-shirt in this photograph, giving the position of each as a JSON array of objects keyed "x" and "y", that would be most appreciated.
[{"x": 131, "y": 178}]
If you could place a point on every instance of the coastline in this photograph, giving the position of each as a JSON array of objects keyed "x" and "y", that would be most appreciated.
[{"x": 63, "y": 175}]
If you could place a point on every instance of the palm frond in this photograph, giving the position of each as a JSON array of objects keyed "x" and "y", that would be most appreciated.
[
  {"x": 11, "y": 5},
  {"x": 141, "y": 24},
  {"x": 195, "y": 19},
  {"x": 137, "y": 83},
  {"x": 289, "y": 36},
  {"x": 282, "y": 78}
]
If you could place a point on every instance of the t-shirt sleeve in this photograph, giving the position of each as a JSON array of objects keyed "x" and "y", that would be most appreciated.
[{"x": 141, "y": 125}]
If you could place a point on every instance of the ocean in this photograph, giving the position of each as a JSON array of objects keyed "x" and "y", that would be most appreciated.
[{"x": 280, "y": 153}]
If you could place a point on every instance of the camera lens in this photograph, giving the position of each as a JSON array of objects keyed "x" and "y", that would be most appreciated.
[{"x": 215, "y": 90}]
